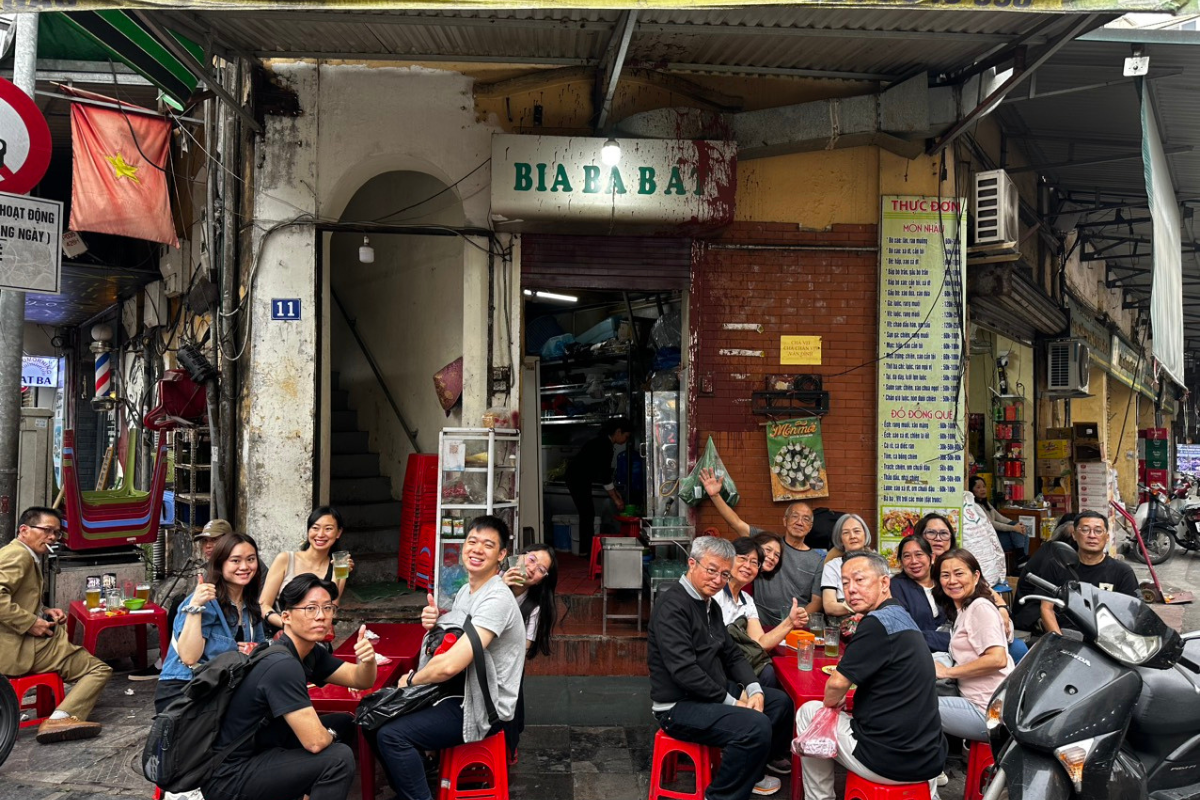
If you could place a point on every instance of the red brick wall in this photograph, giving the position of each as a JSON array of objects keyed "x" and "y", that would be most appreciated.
[{"x": 832, "y": 293}]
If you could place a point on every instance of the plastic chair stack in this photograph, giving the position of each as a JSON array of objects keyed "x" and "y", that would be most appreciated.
[
  {"x": 114, "y": 517},
  {"x": 418, "y": 521}
]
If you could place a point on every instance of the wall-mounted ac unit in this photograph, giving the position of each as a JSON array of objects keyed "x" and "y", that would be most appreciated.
[
  {"x": 1068, "y": 367},
  {"x": 995, "y": 208}
]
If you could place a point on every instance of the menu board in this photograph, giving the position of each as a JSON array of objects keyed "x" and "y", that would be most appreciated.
[{"x": 922, "y": 408}]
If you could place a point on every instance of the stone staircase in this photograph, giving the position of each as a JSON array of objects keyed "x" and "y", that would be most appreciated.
[{"x": 362, "y": 493}]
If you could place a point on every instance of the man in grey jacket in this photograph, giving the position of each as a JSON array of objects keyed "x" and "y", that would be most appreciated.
[{"x": 455, "y": 720}]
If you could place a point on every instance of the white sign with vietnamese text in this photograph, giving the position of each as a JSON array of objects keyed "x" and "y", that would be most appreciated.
[
  {"x": 39, "y": 373},
  {"x": 655, "y": 182},
  {"x": 30, "y": 244}
]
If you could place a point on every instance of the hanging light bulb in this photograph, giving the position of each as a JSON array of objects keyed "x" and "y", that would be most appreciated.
[
  {"x": 366, "y": 253},
  {"x": 610, "y": 153}
]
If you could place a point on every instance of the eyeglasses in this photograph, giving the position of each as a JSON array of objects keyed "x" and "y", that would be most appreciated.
[
  {"x": 50, "y": 531},
  {"x": 713, "y": 572},
  {"x": 534, "y": 567},
  {"x": 801, "y": 517},
  {"x": 312, "y": 611},
  {"x": 746, "y": 560},
  {"x": 1099, "y": 530},
  {"x": 932, "y": 534}
]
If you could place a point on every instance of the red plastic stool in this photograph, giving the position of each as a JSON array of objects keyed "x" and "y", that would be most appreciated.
[
  {"x": 490, "y": 755},
  {"x": 49, "y": 693},
  {"x": 666, "y": 755},
  {"x": 859, "y": 788},
  {"x": 979, "y": 765}
]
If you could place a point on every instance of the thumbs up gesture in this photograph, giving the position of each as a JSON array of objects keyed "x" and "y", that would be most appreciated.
[
  {"x": 364, "y": 652},
  {"x": 204, "y": 591},
  {"x": 798, "y": 615},
  {"x": 429, "y": 614}
]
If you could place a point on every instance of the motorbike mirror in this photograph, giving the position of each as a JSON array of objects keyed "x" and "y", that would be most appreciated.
[{"x": 1063, "y": 554}]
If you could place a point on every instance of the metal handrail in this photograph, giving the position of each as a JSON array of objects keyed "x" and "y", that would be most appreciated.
[{"x": 411, "y": 433}]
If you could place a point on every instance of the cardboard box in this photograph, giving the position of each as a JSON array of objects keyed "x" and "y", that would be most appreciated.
[
  {"x": 1156, "y": 478},
  {"x": 1058, "y": 433},
  {"x": 1086, "y": 430},
  {"x": 1064, "y": 484},
  {"x": 1088, "y": 450},
  {"x": 1053, "y": 467},
  {"x": 1159, "y": 434},
  {"x": 1054, "y": 448}
]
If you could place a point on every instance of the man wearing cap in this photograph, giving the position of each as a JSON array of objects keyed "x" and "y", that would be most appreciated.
[{"x": 208, "y": 538}]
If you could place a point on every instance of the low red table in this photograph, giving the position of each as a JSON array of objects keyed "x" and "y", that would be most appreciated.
[
  {"x": 399, "y": 641},
  {"x": 330, "y": 699},
  {"x": 96, "y": 621},
  {"x": 803, "y": 687}
]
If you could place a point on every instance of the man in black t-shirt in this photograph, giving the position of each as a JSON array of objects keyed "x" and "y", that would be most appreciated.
[
  {"x": 591, "y": 465},
  {"x": 1096, "y": 567},
  {"x": 895, "y": 735},
  {"x": 294, "y": 752}
]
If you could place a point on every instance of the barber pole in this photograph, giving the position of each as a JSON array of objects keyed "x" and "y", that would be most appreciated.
[
  {"x": 103, "y": 375},
  {"x": 105, "y": 398}
]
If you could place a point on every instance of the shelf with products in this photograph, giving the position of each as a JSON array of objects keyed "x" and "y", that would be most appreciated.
[
  {"x": 1008, "y": 433},
  {"x": 478, "y": 473}
]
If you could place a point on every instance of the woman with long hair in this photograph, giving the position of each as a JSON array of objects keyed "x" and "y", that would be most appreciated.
[
  {"x": 1012, "y": 535},
  {"x": 315, "y": 556},
  {"x": 221, "y": 614},
  {"x": 772, "y": 554},
  {"x": 978, "y": 644},
  {"x": 913, "y": 588},
  {"x": 535, "y": 596}
]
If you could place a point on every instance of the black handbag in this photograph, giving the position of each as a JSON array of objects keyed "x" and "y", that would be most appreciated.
[{"x": 383, "y": 706}]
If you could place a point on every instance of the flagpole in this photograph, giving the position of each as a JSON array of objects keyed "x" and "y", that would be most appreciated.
[{"x": 12, "y": 313}]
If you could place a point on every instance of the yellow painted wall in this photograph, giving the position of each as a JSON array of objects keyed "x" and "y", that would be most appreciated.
[{"x": 1123, "y": 404}]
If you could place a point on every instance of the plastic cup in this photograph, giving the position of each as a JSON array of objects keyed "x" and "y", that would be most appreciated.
[
  {"x": 832, "y": 635},
  {"x": 341, "y": 565},
  {"x": 805, "y": 650},
  {"x": 518, "y": 563}
]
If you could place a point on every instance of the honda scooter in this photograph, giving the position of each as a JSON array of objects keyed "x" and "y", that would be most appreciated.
[{"x": 1114, "y": 715}]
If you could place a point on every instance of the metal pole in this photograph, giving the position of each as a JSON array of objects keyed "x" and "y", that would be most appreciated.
[{"x": 12, "y": 315}]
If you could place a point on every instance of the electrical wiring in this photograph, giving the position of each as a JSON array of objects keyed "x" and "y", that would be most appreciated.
[{"x": 480, "y": 166}]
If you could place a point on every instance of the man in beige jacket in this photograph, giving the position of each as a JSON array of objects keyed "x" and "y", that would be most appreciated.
[{"x": 34, "y": 640}]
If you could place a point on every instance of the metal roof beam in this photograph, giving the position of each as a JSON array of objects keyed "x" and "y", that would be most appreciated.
[
  {"x": 1088, "y": 162},
  {"x": 612, "y": 62},
  {"x": 344, "y": 55},
  {"x": 427, "y": 20},
  {"x": 222, "y": 45},
  {"x": 832, "y": 33},
  {"x": 1015, "y": 80},
  {"x": 1107, "y": 222},
  {"x": 1089, "y": 87},
  {"x": 736, "y": 69}
]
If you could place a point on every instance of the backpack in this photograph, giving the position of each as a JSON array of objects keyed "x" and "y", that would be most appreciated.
[{"x": 180, "y": 753}]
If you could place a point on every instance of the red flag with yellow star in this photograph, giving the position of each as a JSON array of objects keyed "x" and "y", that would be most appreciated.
[{"x": 119, "y": 179}]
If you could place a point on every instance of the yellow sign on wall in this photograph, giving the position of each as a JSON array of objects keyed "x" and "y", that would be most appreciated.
[{"x": 799, "y": 349}]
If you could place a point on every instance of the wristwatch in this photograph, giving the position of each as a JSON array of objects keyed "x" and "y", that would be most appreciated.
[{"x": 332, "y": 733}]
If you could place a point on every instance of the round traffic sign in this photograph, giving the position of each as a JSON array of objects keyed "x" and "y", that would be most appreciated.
[{"x": 25, "y": 145}]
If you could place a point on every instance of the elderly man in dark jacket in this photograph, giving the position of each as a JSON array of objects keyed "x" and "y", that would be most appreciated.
[{"x": 702, "y": 688}]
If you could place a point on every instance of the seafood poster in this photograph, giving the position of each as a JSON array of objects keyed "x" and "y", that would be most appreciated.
[
  {"x": 922, "y": 408},
  {"x": 797, "y": 460}
]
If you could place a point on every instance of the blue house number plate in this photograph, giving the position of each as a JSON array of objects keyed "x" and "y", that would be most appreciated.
[{"x": 285, "y": 308}]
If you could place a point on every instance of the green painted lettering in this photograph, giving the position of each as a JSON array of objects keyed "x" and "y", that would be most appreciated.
[
  {"x": 591, "y": 179},
  {"x": 615, "y": 184},
  {"x": 699, "y": 178},
  {"x": 646, "y": 184},
  {"x": 524, "y": 173},
  {"x": 561, "y": 182},
  {"x": 541, "y": 184},
  {"x": 675, "y": 185}
]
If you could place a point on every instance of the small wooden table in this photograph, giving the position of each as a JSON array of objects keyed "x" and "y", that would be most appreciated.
[
  {"x": 803, "y": 687},
  {"x": 330, "y": 699},
  {"x": 96, "y": 621}
]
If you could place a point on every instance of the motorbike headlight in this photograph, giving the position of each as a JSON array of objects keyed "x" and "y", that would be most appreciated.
[
  {"x": 1073, "y": 756},
  {"x": 995, "y": 711},
  {"x": 1122, "y": 644}
]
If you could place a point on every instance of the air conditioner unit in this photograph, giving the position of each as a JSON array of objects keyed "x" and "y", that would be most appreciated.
[
  {"x": 1068, "y": 367},
  {"x": 996, "y": 208}
]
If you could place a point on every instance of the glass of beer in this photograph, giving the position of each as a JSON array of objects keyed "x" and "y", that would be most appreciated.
[
  {"x": 92, "y": 598},
  {"x": 341, "y": 565},
  {"x": 519, "y": 563},
  {"x": 833, "y": 633},
  {"x": 143, "y": 592}
]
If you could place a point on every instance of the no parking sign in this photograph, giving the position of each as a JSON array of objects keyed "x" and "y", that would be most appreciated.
[{"x": 25, "y": 145}]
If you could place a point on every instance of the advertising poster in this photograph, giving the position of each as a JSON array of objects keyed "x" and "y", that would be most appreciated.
[
  {"x": 796, "y": 458},
  {"x": 922, "y": 404}
]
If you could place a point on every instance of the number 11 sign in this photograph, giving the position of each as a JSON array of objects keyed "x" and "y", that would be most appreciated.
[{"x": 287, "y": 308}]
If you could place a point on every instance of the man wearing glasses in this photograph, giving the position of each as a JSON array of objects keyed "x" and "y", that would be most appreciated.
[
  {"x": 702, "y": 688},
  {"x": 1095, "y": 567},
  {"x": 32, "y": 639},
  {"x": 296, "y": 753},
  {"x": 799, "y": 576}
]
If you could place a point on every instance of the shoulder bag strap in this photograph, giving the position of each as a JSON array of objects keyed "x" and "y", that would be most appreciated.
[{"x": 481, "y": 670}]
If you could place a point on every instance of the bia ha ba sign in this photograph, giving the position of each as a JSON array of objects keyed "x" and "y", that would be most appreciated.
[{"x": 556, "y": 183}]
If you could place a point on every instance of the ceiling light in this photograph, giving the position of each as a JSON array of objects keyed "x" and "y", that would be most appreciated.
[
  {"x": 366, "y": 253},
  {"x": 562, "y": 298},
  {"x": 610, "y": 153}
]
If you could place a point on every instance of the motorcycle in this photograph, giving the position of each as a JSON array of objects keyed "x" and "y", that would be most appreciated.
[
  {"x": 10, "y": 718},
  {"x": 1114, "y": 715},
  {"x": 1157, "y": 524},
  {"x": 1180, "y": 517}
]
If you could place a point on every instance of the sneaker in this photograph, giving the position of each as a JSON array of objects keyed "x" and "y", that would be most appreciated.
[
  {"x": 150, "y": 673},
  {"x": 767, "y": 786},
  {"x": 942, "y": 779},
  {"x": 780, "y": 766}
]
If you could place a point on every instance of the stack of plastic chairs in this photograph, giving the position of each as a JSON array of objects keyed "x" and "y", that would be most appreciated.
[{"x": 418, "y": 521}]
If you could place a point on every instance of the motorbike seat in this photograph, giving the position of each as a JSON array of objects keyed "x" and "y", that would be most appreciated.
[{"x": 1169, "y": 702}]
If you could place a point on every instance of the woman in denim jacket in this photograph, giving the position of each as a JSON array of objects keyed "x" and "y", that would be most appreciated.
[{"x": 217, "y": 617}]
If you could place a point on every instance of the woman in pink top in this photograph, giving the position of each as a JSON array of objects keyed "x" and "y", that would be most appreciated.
[{"x": 978, "y": 643}]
